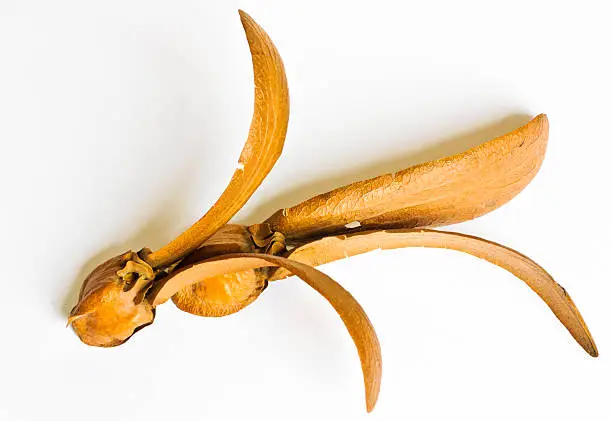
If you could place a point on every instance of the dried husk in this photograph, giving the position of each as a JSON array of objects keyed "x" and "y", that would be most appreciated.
[
  {"x": 112, "y": 304},
  {"x": 442, "y": 192},
  {"x": 105, "y": 315},
  {"x": 227, "y": 293},
  {"x": 352, "y": 314},
  {"x": 213, "y": 269},
  {"x": 333, "y": 248},
  {"x": 445, "y": 191},
  {"x": 263, "y": 146}
]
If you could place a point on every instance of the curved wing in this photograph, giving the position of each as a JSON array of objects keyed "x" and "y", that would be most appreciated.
[
  {"x": 263, "y": 146},
  {"x": 442, "y": 192},
  {"x": 329, "y": 249},
  {"x": 349, "y": 310}
]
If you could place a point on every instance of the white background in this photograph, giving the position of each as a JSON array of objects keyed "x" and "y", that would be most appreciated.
[{"x": 121, "y": 122}]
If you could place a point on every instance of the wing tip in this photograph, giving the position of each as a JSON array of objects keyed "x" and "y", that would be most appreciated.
[
  {"x": 243, "y": 15},
  {"x": 590, "y": 348},
  {"x": 248, "y": 23},
  {"x": 371, "y": 399},
  {"x": 372, "y": 396},
  {"x": 542, "y": 121}
]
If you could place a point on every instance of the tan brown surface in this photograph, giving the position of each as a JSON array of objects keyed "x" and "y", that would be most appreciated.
[
  {"x": 107, "y": 313},
  {"x": 263, "y": 146},
  {"x": 227, "y": 293},
  {"x": 442, "y": 192},
  {"x": 215, "y": 268},
  {"x": 221, "y": 295},
  {"x": 352, "y": 314},
  {"x": 554, "y": 295},
  {"x": 112, "y": 304}
]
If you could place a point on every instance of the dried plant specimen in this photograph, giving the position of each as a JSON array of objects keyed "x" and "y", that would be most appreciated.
[{"x": 215, "y": 268}]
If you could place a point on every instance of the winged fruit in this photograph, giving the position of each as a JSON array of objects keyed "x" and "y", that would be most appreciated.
[{"x": 215, "y": 268}]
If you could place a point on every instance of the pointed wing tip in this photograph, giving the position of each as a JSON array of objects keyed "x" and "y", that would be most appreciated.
[
  {"x": 579, "y": 331},
  {"x": 245, "y": 18},
  {"x": 372, "y": 376},
  {"x": 536, "y": 128},
  {"x": 371, "y": 402},
  {"x": 542, "y": 121},
  {"x": 255, "y": 33},
  {"x": 591, "y": 348},
  {"x": 584, "y": 339},
  {"x": 372, "y": 394}
]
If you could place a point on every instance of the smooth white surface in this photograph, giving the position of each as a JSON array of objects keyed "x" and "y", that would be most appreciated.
[{"x": 122, "y": 121}]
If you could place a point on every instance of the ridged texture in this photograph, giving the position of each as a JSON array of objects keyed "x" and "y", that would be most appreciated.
[
  {"x": 213, "y": 269},
  {"x": 352, "y": 314},
  {"x": 263, "y": 146},
  {"x": 442, "y": 192},
  {"x": 329, "y": 249}
]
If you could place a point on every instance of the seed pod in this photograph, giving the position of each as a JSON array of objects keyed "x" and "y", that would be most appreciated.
[
  {"x": 226, "y": 293},
  {"x": 106, "y": 315},
  {"x": 214, "y": 269},
  {"x": 112, "y": 304}
]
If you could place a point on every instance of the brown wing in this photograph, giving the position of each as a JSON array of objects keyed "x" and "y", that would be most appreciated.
[
  {"x": 352, "y": 314},
  {"x": 263, "y": 146},
  {"x": 442, "y": 192},
  {"x": 554, "y": 295}
]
